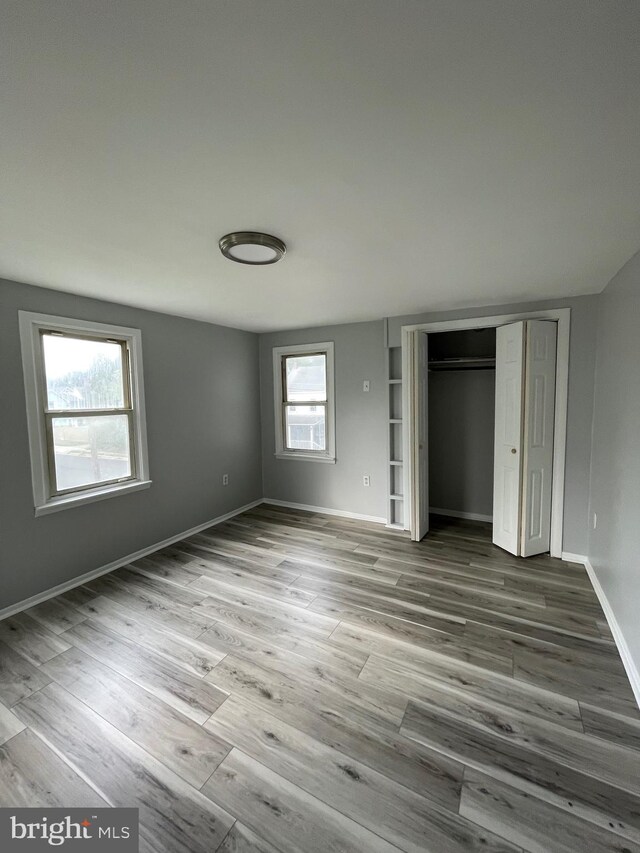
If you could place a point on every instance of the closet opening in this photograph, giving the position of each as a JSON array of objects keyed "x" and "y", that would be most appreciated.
[
  {"x": 461, "y": 423},
  {"x": 484, "y": 406}
]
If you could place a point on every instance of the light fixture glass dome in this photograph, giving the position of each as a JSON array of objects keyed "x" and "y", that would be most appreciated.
[{"x": 252, "y": 247}]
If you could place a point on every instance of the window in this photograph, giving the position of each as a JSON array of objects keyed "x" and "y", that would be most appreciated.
[
  {"x": 304, "y": 405},
  {"x": 85, "y": 410}
]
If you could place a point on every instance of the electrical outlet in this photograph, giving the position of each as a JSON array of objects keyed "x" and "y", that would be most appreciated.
[
  {"x": 365, "y": 385},
  {"x": 366, "y": 480},
  {"x": 225, "y": 479},
  {"x": 595, "y": 520}
]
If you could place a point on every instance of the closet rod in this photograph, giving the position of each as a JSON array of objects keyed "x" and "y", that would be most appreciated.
[{"x": 470, "y": 363}]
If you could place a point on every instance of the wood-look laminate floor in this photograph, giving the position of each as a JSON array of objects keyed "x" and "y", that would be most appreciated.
[{"x": 295, "y": 682}]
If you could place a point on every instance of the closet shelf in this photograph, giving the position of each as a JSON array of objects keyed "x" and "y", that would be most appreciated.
[
  {"x": 395, "y": 420},
  {"x": 466, "y": 363},
  {"x": 395, "y": 462},
  {"x": 395, "y": 382},
  {"x": 396, "y": 497}
]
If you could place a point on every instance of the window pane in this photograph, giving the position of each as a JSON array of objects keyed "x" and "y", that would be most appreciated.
[
  {"x": 82, "y": 374},
  {"x": 90, "y": 450},
  {"x": 305, "y": 427},
  {"x": 306, "y": 377}
]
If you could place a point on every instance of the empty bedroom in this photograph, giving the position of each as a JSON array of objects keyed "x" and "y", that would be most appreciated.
[{"x": 320, "y": 394}]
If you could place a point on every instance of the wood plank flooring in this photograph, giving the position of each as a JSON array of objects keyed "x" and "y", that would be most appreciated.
[{"x": 289, "y": 681}]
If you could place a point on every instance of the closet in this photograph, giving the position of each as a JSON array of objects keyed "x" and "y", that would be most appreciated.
[
  {"x": 461, "y": 418},
  {"x": 484, "y": 422}
]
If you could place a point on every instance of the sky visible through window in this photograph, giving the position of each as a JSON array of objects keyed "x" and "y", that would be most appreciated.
[
  {"x": 68, "y": 354},
  {"x": 83, "y": 373},
  {"x": 306, "y": 377}
]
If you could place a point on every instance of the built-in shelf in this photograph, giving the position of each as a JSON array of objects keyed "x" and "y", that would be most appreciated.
[{"x": 395, "y": 465}]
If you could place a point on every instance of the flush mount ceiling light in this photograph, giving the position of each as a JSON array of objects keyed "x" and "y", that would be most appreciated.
[{"x": 252, "y": 247}]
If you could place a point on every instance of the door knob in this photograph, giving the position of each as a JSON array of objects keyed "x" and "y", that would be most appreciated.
[{"x": 513, "y": 450}]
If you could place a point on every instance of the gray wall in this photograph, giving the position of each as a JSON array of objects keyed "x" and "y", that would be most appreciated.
[
  {"x": 203, "y": 420},
  {"x": 461, "y": 422},
  {"x": 361, "y": 424},
  {"x": 203, "y": 392},
  {"x": 361, "y": 419},
  {"x": 614, "y": 546}
]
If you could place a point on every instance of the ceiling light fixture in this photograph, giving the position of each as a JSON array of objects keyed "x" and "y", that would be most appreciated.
[{"x": 252, "y": 247}]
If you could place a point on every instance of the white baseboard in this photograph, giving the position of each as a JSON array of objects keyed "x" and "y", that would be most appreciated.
[
  {"x": 631, "y": 667},
  {"x": 569, "y": 557},
  {"x": 326, "y": 511},
  {"x": 116, "y": 564},
  {"x": 472, "y": 516}
]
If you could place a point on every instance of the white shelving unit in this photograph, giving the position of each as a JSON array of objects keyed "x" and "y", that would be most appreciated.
[{"x": 395, "y": 502}]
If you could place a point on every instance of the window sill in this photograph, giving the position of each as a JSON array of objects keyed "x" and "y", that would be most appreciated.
[
  {"x": 306, "y": 457},
  {"x": 90, "y": 496}
]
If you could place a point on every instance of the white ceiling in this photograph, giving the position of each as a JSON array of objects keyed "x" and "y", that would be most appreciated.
[{"x": 413, "y": 154}]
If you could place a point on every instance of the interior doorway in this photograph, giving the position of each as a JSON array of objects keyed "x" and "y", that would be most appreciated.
[{"x": 485, "y": 425}]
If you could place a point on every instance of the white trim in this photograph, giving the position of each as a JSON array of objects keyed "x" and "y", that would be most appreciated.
[
  {"x": 116, "y": 564},
  {"x": 305, "y": 457},
  {"x": 411, "y": 426},
  {"x": 330, "y": 426},
  {"x": 408, "y": 449},
  {"x": 570, "y": 557},
  {"x": 487, "y": 322},
  {"x": 30, "y": 324},
  {"x": 631, "y": 667},
  {"x": 563, "y": 317},
  {"x": 454, "y": 513},
  {"x": 91, "y": 496},
  {"x": 327, "y": 511}
]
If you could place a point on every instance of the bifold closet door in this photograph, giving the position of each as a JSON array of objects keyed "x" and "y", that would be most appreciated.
[
  {"x": 537, "y": 460},
  {"x": 523, "y": 461},
  {"x": 507, "y": 470}
]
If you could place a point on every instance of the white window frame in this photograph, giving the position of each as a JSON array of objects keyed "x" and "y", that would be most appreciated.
[
  {"x": 282, "y": 452},
  {"x": 31, "y": 327}
]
